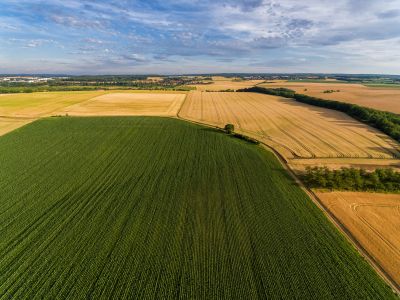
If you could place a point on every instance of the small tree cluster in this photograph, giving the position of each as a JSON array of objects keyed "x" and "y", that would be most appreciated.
[
  {"x": 229, "y": 128},
  {"x": 351, "y": 179}
]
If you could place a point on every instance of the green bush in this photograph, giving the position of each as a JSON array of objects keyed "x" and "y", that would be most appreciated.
[{"x": 229, "y": 128}]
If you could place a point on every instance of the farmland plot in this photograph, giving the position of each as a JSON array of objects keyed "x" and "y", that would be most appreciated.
[
  {"x": 158, "y": 208},
  {"x": 17, "y": 110},
  {"x": 374, "y": 219},
  {"x": 222, "y": 83},
  {"x": 381, "y": 98},
  {"x": 9, "y": 124},
  {"x": 294, "y": 129},
  {"x": 119, "y": 104},
  {"x": 35, "y": 105}
]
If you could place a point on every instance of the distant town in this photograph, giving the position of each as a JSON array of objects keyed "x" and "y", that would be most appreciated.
[{"x": 25, "y": 79}]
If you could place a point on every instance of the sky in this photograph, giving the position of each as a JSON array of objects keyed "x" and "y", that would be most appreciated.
[{"x": 199, "y": 36}]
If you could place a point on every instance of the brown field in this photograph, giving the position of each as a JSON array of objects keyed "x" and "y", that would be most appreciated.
[
  {"x": 382, "y": 98},
  {"x": 128, "y": 104},
  {"x": 295, "y": 130},
  {"x": 374, "y": 220},
  {"x": 222, "y": 83}
]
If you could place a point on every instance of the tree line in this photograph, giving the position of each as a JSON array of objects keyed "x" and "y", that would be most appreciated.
[
  {"x": 47, "y": 88},
  {"x": 386, "y": 122},
  {"x": 352, "y": 179}
]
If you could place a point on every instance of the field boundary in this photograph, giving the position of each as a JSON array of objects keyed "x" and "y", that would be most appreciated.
[{"x": 334, "y": 220}]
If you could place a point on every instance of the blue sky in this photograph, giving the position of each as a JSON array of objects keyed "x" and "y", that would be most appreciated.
[{"x": 182, "y": 36}]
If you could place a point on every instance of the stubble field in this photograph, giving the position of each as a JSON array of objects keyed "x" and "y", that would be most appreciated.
[
  {"x": 20, "y": 109},
  {"x": 374, "y": 220},
  {"x": 381, "y": 98},
  {"x": 160, "y": 208},
  {"x": 128, "y": 104},
  {"x": 294, "y": 129},
  {"x": 220, "y": 83}
]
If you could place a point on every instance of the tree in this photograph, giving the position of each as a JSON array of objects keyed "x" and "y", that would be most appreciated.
[{"x": 229, "y": 128}]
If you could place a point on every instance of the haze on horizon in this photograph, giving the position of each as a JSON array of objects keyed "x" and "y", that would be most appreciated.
[{"x": 182, "y": 36}]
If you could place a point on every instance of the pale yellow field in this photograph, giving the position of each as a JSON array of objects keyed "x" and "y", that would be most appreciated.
[
  {"x": 9, "y": 124},
  {"x": 19, "y": 109},
  {"x": 293, "y": 129},
  {"x": 381, "y": 98},
  {"x": 374, "y": 220},
  {"x": 128, "y": 104},
  {"x": 222, "y": 83},
  {"x": 35, "y": 105}
]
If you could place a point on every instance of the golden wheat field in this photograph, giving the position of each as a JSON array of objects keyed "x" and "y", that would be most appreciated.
[
  {"x": 9, "y": 124},
  {"x": 374, "y": 220},
  {"x": 295, "y": 130},
  {"x": 128, "y": 104},
  {"x": 220, "y": 83},
  {"x": 35, "y": 105},
  {"x": 19, "y": 109},
  {"x": 381, "y": 98}
]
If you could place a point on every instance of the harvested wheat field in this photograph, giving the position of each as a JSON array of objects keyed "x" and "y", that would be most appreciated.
[
  {"x": 220, "y": 83},
  {"x": 295, "y": 130},
  {"x": 20, "y": 109},
  {"x": 374, "y": 220},
  {"x": 129, "y": 104},
  {"x": 35, "y": 105},
  {"x": 9, "y": 124},
  {"x": 381, "y": 98}
]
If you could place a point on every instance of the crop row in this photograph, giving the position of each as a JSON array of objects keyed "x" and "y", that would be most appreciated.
[{"x": 158, "y": 208}]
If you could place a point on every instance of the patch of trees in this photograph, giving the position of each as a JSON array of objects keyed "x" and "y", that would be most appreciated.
[
  {"x": 41, "y": 88},
  {"x": 386, "y": 122},
  {"x": 351, "y": 179},
  {"x": 46, "y": 88},
  {"x": 331, "y": 91},
  {"x": 221, "y": 91},
  {"x": 89, "y": 83},
  {"x": 282, "y": 92},
  {"x": 230, "y": 129}
]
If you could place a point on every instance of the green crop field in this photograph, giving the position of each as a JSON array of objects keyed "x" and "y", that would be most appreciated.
[{"x": 157, "y": 208}]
